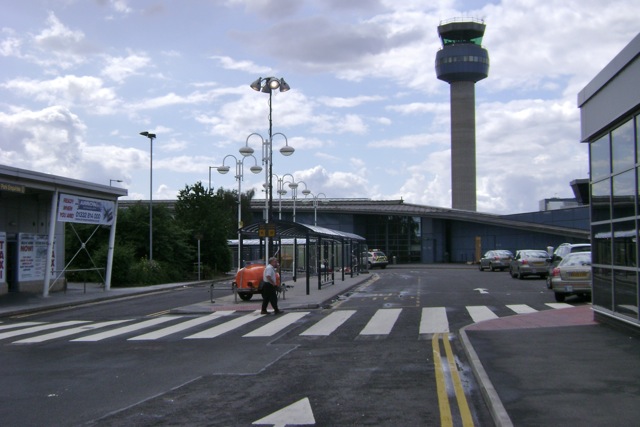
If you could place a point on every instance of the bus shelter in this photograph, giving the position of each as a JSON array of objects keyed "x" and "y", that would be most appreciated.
[{"x": 303, "y": 249}]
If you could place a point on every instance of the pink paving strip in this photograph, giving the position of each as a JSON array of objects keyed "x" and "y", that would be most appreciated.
[{"x": 573, "y": 316}]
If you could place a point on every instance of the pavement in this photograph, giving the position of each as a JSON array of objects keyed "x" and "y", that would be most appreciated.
[{"x": 548, "y": 368}]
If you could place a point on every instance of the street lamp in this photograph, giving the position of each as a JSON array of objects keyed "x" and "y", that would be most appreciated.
[
  {"x": 111, "y": 181},
  {"x": 315, "y": 198},
  {"x": 294, "y": 194},
  {"x": 281, "y": 191},
  {"x": 268, "y": 85},
  {"x": 151, "y": 137},
  {"x": 239, "y": 177}
]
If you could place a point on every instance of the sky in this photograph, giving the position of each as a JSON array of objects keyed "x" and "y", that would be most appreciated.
[{"x": 366, "y": 115}]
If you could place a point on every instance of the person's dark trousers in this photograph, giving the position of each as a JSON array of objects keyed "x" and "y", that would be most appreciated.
[{"x": 269, "y": 296}]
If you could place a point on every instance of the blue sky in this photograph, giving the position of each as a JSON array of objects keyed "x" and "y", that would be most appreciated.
[{"x": 368, "y": 118}]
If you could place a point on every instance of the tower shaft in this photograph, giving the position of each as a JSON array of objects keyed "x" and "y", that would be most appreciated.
[
  {"x": 462, "y": 62},
  {"x": 463, "y": 146}
]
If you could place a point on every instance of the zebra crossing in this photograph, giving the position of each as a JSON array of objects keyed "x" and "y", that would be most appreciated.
[{"x": 433, "y": 320}]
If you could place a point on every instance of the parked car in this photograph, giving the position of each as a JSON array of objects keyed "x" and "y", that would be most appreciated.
[
  {"x": 562, "y": 251},
  {"x": 376, "y": 258},
  {"x": 529, "y": 262},
  {"x": 572, "y": 276},
  {"x": 496, "y": 259}
]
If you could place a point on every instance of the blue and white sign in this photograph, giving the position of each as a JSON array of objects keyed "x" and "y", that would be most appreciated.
[{"x": 85, "y": 210}]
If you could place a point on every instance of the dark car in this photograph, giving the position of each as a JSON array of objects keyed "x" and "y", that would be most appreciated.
[
  {"x": 572, "y": 276},
  {"x": 530, "y": 262},
  {"x": 498, "y": 259}
]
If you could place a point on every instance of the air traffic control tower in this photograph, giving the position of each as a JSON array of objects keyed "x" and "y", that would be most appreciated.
[{"x": 462, "y": 62}]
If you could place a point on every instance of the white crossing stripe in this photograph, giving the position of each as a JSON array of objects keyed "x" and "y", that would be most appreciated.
[
  {"x": 277, "y": 325},
  {"x": 522, "y": 308},
  {"x": 329, "y": 324},
  {"x": 181, "y": 326},
  {"x": 67, "y": 332},
  {"x": 382, "y": 322},
  {"x": 227, "y": 326},
  {"x": 558, "y": 305},
  {"x": 434, "y": 321},
  {"x": 126, "y": 329},
  {"x": 39, "y": 328},
  {"x": 480, "y": 312},
  {"x": 19, "y": 325}
]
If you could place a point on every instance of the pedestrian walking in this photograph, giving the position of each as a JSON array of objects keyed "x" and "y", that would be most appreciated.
[{"x": 270, "y": 283}]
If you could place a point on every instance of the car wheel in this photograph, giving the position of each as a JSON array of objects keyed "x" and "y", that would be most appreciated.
[
  {"x": 491, "y": 267},
  {"x": 548, "y": 282},
  {"x": 513, "y": 275},
  {"x": 480, "y": 267},
  {"x": 245, "y": 296},
  {"x": 560, "y": 297}
]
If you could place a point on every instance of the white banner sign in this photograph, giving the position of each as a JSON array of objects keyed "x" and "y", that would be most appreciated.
[
  {"x": 3, "y": 257},
  {"x": 85, "y": 210},
  {"x": 32, "y": 256}
]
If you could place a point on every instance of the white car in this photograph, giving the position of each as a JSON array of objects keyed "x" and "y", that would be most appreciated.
[{"x": 376, "y": 258}]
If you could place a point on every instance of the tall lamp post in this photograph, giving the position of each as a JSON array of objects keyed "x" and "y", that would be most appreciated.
[
  {"x": 239, "y": 163},
  {"x": 314, "y": 198},
  {"x": 111, "y": 181},
  {"x": 151, "y": 137},
  {"x": 294, "y": 194},
  {"x": 281, "y": 191},
  {"x": 269, "y": 85}
]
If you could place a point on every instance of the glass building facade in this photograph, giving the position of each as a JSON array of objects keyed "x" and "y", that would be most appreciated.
[
  {"x": 615, "y": 200},
  {"x": 610, "y": 122}
]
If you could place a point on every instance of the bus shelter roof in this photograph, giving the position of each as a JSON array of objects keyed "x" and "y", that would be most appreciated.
[{"x": 287, "y": 229}]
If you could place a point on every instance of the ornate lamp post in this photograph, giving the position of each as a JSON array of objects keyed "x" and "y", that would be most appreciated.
[
  {"x": 268, "y": 85},
  {"x": 314, "y": 198},
  {"x": 151, "y": 137},
  {"x": 239, "y": 163}
]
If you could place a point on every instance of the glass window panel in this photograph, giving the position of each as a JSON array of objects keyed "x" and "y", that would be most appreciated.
[
  {"x": 638, "y": 139},
  {"x": 625, "y": 238},
  {"x": 602, "y": 289},
  {"x": 601, "y": 244},
  {"x": 623, "y": 147},
  {"x": 600, "y": 201},
  {"x": 600, "y": 158},
  {"x": 625, "y": 293},
  {"x": 624, "y": 190}
]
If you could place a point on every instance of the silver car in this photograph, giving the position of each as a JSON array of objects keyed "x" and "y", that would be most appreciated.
[
  {"x": 529, "y": 262},
  {"x": 498, "y": 259},
  {"x": 572, "y": 276}
]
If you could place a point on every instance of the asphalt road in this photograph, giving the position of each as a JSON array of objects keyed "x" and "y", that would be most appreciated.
[{"x": 259, "y": 373}]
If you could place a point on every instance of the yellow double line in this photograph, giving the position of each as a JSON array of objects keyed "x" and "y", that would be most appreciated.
[{"x": 446, "y": 418}]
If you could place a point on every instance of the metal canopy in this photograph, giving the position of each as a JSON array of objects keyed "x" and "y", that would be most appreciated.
[{"x": 287, "y": 229}]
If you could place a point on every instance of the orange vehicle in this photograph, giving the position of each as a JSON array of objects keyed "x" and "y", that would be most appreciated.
[{"x": 248, "y": 279}]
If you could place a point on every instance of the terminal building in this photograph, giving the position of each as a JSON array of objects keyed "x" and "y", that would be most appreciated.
[{"x": 610, "y": 124}]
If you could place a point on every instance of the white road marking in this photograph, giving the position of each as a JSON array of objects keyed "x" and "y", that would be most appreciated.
[
  {"x": 329, "y": 324},
  {"x": 522, "y": 308},
  {"x": 67, "y": 332},
  {"x": 126, "y": 329},
  {"x": 434, "y": 320},
  {"x": 227, "y": 326},
  {"x": 298, "y": 413},
  {"x": 480, "y": 312},
  {"x": 277, "y": 325},
  {"x": 558, "y": 305},
  {"x": 181, "y": 326},
  {"x": 382, "y": 322},
  {"x": 40, "y": 328},
  {"x": 19, "y": 325}
]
